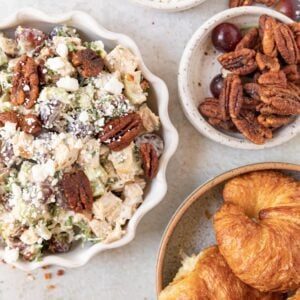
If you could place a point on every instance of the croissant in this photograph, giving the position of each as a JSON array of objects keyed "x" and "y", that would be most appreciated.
[
  {"x": 208, "y": 277},
  {"x": 296, "y": 296},
  {"x": 258, "y": 230}
]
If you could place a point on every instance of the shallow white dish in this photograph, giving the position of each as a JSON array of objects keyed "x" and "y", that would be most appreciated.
[
  {"x": 172, "y": 6},
  {"x": 199, "y": 65},
  {"x": 158, "y": 101}
]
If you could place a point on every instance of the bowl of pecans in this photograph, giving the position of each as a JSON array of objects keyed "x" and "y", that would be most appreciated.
[{"x": 239, "y": 78}]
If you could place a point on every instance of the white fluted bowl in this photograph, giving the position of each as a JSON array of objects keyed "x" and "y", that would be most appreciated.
[
  {"x": 172, "y": 6},
  {"x": 158, "y": 101}
]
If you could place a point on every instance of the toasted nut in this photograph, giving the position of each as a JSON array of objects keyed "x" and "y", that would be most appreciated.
[
  {"x": 150, "y": 160},
  {"x": 25, "y": 83},
  {"x": 120, "y": 132},
  {"x": 249, "y": 40},
  {"x": 30, "y": 123},
  {"x": 8, "y": 117},
  {"x": 286, "y": 44},
  {"x": 240, "y": 62},
  {"x": 90, "y": 63},
  {"x": 78, "y": 191}
]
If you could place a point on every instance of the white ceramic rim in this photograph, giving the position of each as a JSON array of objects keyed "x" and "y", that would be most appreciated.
[
  {"x": 188, "y": 106},
  {"x": 170, "y": 7},
  {"x": 158, "y": 188}
]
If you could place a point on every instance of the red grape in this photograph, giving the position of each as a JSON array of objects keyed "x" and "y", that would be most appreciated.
[
  {"x": 225, "y": 37},
  {"x": 287, "y": 7},
  {"x": 216, "y": 85}
]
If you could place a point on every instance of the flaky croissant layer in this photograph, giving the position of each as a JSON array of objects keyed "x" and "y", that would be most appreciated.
[
  {"x": 258, "y": 230},
  {"x": 209, "y": 277}
]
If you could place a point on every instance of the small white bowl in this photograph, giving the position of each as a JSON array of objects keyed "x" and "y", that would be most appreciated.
[
  {"x": 199, "y": 65},
  {"x": 158, "y": 101},
  {"x": 172, "y": 6}
]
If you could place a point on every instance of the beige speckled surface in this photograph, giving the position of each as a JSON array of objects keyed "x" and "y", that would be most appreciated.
[{"x": 129, "y": 272}]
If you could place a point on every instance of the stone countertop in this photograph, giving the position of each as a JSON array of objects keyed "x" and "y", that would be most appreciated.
[{"x": 129, "y": 272}]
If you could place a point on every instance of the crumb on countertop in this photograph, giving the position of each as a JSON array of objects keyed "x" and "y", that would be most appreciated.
[{"x": 48, "y": 276}]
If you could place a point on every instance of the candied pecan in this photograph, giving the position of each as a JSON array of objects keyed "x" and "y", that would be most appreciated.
[
  {"x": 252, "y": 90},
  {"x": 25, "y": 83},
  {"x": 266, "y": 29},
  {"x": 90, "y": 63},
  {"x": 78, "y": 191},
  {"x": 249, "y": 40},
  {"x": 248, "y": 125},
  {"x": 284, "y": 99},
  {"x": 286, "y": 44},
  {"x": 118, "y": 133},
  {"x": 150, "y": 160},
  {"x": 225, "y": 125},
  {"x": 266, "y": 109},
  {"x": 212, "y": 108},
  {"x": 233, "y": 89},
  {"x": 266, "y": 2},
  {"x": 8, "y": 116},
  {"x": 273, "y": 78},
  {"x": 237, "y": 3},
  {"x": 273, "y": 121},
  {"x": 296, "y": 30},
  {"x": 292, "y": 73},
  {"x": 265, "y": 62},
  {"x": 241, "y": 62},
  {"x": 250, "y": 104},
  {"x": 30, "y": 123}
]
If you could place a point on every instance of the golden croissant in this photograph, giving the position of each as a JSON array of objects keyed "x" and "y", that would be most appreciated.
[
  {"x": 258, "y": 230},
  {"x": 208, "y": 277}
]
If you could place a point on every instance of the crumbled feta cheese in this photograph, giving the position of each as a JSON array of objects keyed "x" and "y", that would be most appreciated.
[
  {"x": 26, "y": 88},
  {"x": 84, "y": 117},
  {"x": 62, "y": 50},
  {"x": 11, "y": 255},
  {"x": 68, "y": 83},
  {"x": 60, "y": 65},
  {"x": 114, "y": 86},
  {"x": 42, "y": 171},
  {"x": 29, "y": 237}
]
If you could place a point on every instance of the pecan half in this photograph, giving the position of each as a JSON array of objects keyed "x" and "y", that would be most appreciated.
[
  {"x": 150, "y": 160},
  {"x": 89, "y": 62},
  {"x": 25, "y": 83},
  {"x": 224, "y": 125},
  {"x": 78, "y": 191},
  {"x": 212, "y": 108},
  {"x": 252, "y": 90},
  {"x": 241, "y": 62},
  {"x": 8, "y": 117},
  {"x": 286, "y": 100},
  {"x": 273, "y": 121},
  {"x": 237, "y": 3},
  {"x": 266, "y": 29},
  {"x": 30, "y": 123},
  {"x": 273, "y": 78},
  {"x": 233, "y": 92},
  {"x": 292, "y": 73},
  {"x": 249, "y": 40},
  {"x": 296, "y": 30},
  {"x": 120, "y": 132},
  {"x": 266, "y": 2},
  {"x": 265, "y": 62},
  {"x": 286, "y": 44},
  {"x": 248, "y": 125},
  {"x": 250, "y": 104}
]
